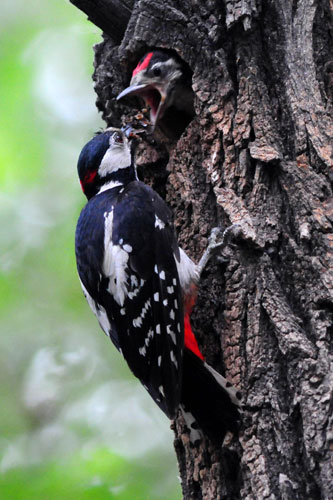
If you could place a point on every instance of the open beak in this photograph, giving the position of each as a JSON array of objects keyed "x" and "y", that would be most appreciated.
[
  {"x": 153, "y": 95},
  {"x": 132, "y": 89}
]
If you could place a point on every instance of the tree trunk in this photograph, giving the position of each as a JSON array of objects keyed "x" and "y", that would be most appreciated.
[{"x": 257, "y": 154}]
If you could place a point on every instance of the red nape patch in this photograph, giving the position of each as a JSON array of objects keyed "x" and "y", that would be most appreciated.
[
  {"x": 190, "y": 340},
  {"x": 143, "y": 65}
]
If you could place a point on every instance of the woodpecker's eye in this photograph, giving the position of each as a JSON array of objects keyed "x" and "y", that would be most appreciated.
[
  {"x": 157, "y": 71},
  {"x": 117, "y": 138}
]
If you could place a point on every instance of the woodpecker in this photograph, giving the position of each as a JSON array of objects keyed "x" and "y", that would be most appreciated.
[
  {"x": 141, "y": 286},
  {"x": 163, "y": 81}
]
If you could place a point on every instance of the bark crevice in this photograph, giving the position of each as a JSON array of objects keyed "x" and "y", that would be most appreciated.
[{"x": 257, "y": 153}]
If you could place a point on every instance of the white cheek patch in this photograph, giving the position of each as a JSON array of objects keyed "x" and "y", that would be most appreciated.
[{"x": 116, "y": 157}]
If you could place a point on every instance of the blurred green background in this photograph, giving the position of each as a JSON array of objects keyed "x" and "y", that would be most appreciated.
[{"x": 74, "y": 423}]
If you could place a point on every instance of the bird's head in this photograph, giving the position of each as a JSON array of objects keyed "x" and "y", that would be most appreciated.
[
  {"x": 155, "y": 79},
  {"x": 106, "y": 161}
]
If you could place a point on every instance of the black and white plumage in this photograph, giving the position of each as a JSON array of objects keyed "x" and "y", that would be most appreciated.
[{"x": 136, "y": 278}]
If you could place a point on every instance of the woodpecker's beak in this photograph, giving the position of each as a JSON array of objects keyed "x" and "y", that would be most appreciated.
[
  {"x": 132, "y": 89},
  {"x": 133, "y": 138},
  {"x": 129, "y": 131},
  {"x": 154, "y": 96}
]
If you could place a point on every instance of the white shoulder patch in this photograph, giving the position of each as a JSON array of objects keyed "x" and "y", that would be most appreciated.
[{"x": 115, "y": 263}]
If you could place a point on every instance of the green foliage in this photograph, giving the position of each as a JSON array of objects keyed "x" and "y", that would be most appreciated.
[
  {"x": 74, "y": 424},
  {"x": 83, "y": 478}
]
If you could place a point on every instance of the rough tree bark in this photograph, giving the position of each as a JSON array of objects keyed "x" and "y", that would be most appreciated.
[{"x": 256, "y": 153}]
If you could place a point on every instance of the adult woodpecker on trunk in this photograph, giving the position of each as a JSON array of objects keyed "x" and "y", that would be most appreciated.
[
  {"x": 163, "y": 81},
  {"x": 141, "y": 286}
]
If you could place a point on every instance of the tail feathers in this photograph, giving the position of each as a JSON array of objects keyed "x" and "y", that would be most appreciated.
[{"x": 208, "y": 398}]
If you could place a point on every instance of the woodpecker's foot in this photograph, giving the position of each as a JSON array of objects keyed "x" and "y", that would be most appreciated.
[{"x": 218, "y": 240}]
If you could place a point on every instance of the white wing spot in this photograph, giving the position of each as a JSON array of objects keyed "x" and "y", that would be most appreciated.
[
  {"x": 137, "y": 322},
  {"x": 159, "y": 223},
  {"x": 165, "y": 302},
  {"x": 161, "y": 390},
  {"x": 123, "y": 311},
  {"x": 121, "y": 241},
  {"x": 162, "y": 275},
  {"x": 176, "y": 304},
  {"x": 172, "y": 334},
  {"x": 174, "y": 281},
  {"x": 195, "y": 433},
  {"x": 172, "y": 314},
  {"x": 170, "y": 289},
  {"x": 173, "y": 359},
  {"x": 158, "y": 329},
  {"x": 127, "y": 248},
  {"x": 134, "y": 280},
  {"x": 145, "y": 308},
  {"x": 156, "y": 297},
  {"x": 150, "y": 333},
  {"x": 178, "y": 327},
  {"x": 156, "y": 269},
  {"x": 143, "y": 350},
  {"x": 159, "y": 360}
]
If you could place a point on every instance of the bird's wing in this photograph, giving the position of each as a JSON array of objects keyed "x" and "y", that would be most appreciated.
[{"x": 138, "y": 293}]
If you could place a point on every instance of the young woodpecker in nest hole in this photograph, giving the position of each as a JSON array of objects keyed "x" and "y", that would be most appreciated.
[
  {"x": 164, "y": 83},
  {"x": 142, "y": 286}
]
